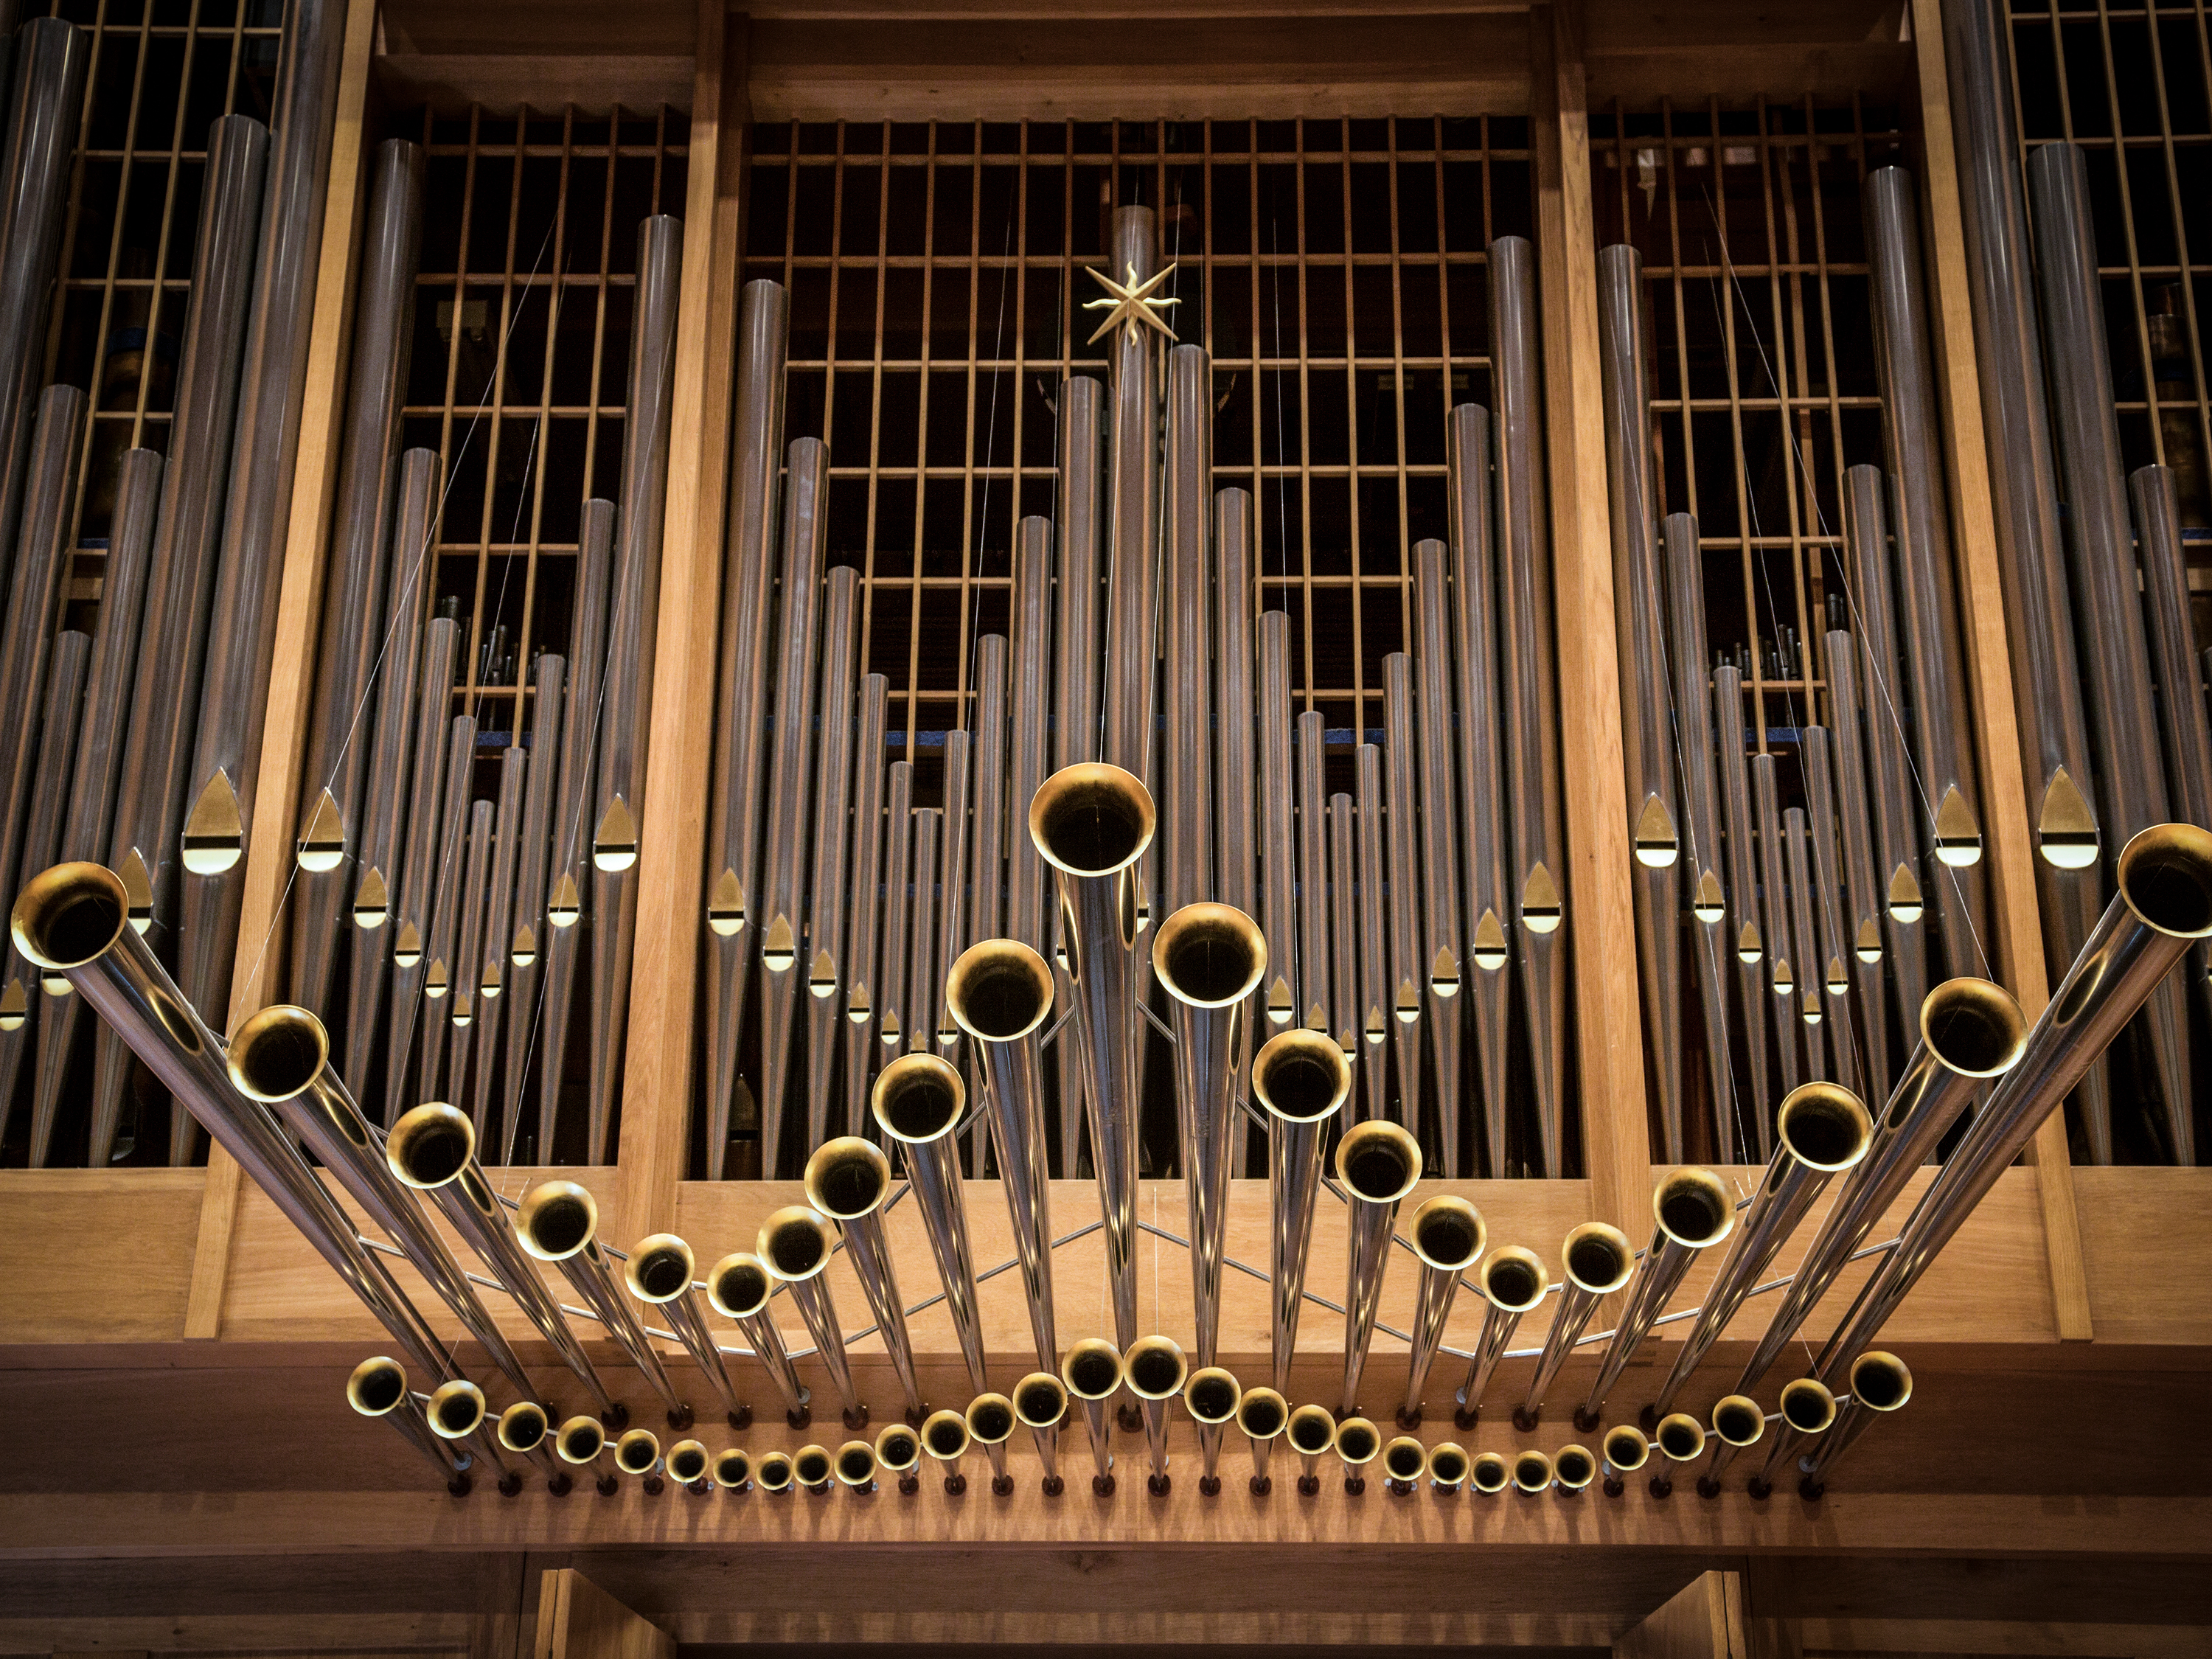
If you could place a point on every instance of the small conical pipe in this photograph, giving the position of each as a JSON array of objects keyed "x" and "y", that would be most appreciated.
[
  {"x": 1156, "y": 1370},
  {"x": 1212, "y": 1397},
  {"x": 456, "y": 1414},
  {"x": 1312, "y": 1434},
  {"x": 378, "y": 1388},
  {"x": 1300, "y": 1078},
  {"x": 1513, "y": 1283},
  {"x": 794, "y": 1248},
  {"x": 1809, "y": 1408},
  {"x": 1598, "y": 1261},
  {"x": 1881, "y": 1383},
  {"x": 1680, "y": 1439},
  {"x": 579, "y": 1444},
  {"x": 944, "y": 1438},
  {"x": 1489, "y": 1475},
  {"x": 1404, "y": 1459},
  {"x": 1040, "y": 1402},
  {"x": 1093, "y": 1371},
  {"x": 854, "y": 1465},
  {"x": 687, "y": 1463},
  {"x": 658, "y": 1274},
  {"x": 847, "y": 1179},
  {"x": 1358, "y": 1444},
  {"x": 637, "y": 1453},
  {"x": 1625, "y": 1451},
  {"x": 1737, "y": 1423},
  {"x": 1692, "y": 1212},
  {"x": 1447, "y": 1235},
  {"x": 1573, "y": 1468},
  {"x": 525, "y": 1430},
  {"x": 1532, "y": 1472},
  {"x": 1209, "y": 958},
  {"x": 812, "y": 1468},
  {"x": 898, "y": 1452},
  {"x": 1262, "y": 1414},
  {"x": 1000, "y": 992},
  {"x": 1377, "y": 1163},
  {"x": 990, "y": 1425},
  {"x": 772, "y": 1474},
  {"x": 733, "y": 1470},
  {"x": 919, "y": 1100},
  {"x": 1447, "y": 1466},
  {"x": 558, "y": 1222}
]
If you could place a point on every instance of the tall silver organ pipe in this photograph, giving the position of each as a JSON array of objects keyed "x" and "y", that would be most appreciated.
[
  {"x": 1862, "y": 916},
  {"x": 1782, "y": 971},
  {"x": 1439, "y": 948},
  {"x": 864, "y": 926},
  {"x": 495, "y": 968},
  {"x": 526, "y": 939},
  {"x": 1132, "y": 520},
  {"x": 1377, "y": 1164},
  {"x": 558, "y": 1221},
  {"x": 1489, "y": 888},
  {"x": 1746, "y": 928},
  {"x": 1598, "y": 1261},
  {"x": 1279, "y": 885},
  {"x": 1314, "y": 1000},
  {"x": 952, "y": 926},
  {"x": 2132, "y": 780},
  {"x": 919, "y": 1101},
  {"x": 633, "y": 625},
  {"x": 23, "y": 1005},
  {"x": 748, "y": 588},
  {"x": 1300, "y": 1079},
  {"x": 1373, "y": 1009},
  {"x": 1186, "y": 836},
  {"x": 373, "y": 605},
  {"x": 224, "y": 770},
  {"x": 1691, "y": 1212},
  {"x": 1082, "y": 524},
  {"x": 1028, "y": 701},
  {"x": 826, "y": 970},
  {"x": 1828, "y": 900},
  {"x": 847, "y": 1179},
  {"x": 1234, "y": 689},
  {"x": 898, "y": 865},
  {"x": 1811, "y": 1005},
  {"x": 425, "y": 1030},
  {"x": 1655, "y": 808},
  {"x": 1344, "y": 947},
  {"x": 1403, "y": 868},
  {"x": 1447, "y": 1236},
  {"x": 922, "y": 962},
  {"x": 462, "y": 998},
  {"x": 1538, "y": 871}
]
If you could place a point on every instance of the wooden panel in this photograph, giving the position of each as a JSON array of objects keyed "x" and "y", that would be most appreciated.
[
  {"x": 450, "y": 83},
  {"x": 1689, "y": 50},
  {"x": 1704, "y": 1620},
  {"x": 56, "y": 1290},
  {"x": 1952, "y": 1638},
  {"x": 577, "y": 1619}
]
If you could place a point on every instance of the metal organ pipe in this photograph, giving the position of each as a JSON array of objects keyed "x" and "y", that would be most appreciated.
[
  {"x": 413, "y": 877},
  {"x": 1133, "y": 523},
  {"x": 1030, "y": 698},
  {"x": 1234, "y": 688},
  {"x": 20, "y": 999},
  {"x": 1187, "y": 837},
  {"x": 1439, "y": 948},
  {"x": 1278, "y": 888},
  {"x": 847, "y": 1179},
  {"x": 1781, "y": 990},
  {"x": 1805, "y": 945},
  {"x": 1404, "y": 882},
  {"x": 1314, "y": 1001},
  {"x": 922, "y": 986},
  {"x": 1081, "y": 524},
  {"x": 825, "y": 969},
  {"x": 1827, "y": 901},
  {"x": 1372, "y": 1010},
  {"x": 1862, "y": 920},
  {"x": 491, "y": 958},
  {"x": 1745, "y": 926},
  {"x": 953, "y": 926},
  {"x": 898, "y": 859},
  {"x": 1344, "y": 947},
  {"x": 421, "y": 1050},
  {"x": 1300, "y": 1078},
  {"x": 862, "y": 975},
  {"x": 919, "y": 1100},
  {"x": 525, "y": 945}
]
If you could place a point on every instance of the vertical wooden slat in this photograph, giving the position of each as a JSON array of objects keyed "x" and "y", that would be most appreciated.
[{"x": 1988, "y": 668}]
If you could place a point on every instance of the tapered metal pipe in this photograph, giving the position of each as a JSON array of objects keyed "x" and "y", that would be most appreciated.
[
  {"x": 417, "y": 1028},
  {"x": 1597, "y": 1262},
  {"x": 986, "y": 762},
  {"x": 1439, "y": 945},
  {"x": 457, "y": 1415},
  {"x": 1376, "y": 981},
  {"x": 2164, "y": 904},
  {"x": 378, "y": 1388},
  {"x": 1094, "y": 1373},
  {"x": 1745, "y": 926},
  {"x": 1134, "y": 515},
  {"x": 224, "y": 767},
  {"x": 1076, "y": 733},
  {"x": 1156, "y": 1370},
  {"x": 1187, "y": 834},
  {"x": 1881, "y": 1383},
  {"x": 74, "y": 920},
  {"x": 922, "y": 962},
  {"x": 1344, "y": 941},
  {"x": 1812, "y": 1007},
  {"x": 1031, "y": 697},
  {"x": 1404, "y": 883},
  {"x": 1448, "y": 1236},
  {"x": 1314, "y": 1003},
  {"x": 1513, "y": 1284},
  {"x": 1446, "y": 1467},
  {"x": 1357, "y": 1443},
  {"x": 790, "y": 783},
  {"x": 493, "y": 967},
  {"x": 433, "y": 1149},
  {"x": 999, "y": 992},
  {"x": 1312, "y": 1434},
  {"x": 658, "y": 1274},
  {"x": 945, "y": 1437},
  {"x": 1278, "y": 886},
  {"x": 1212, "y": 1397},
  {"x": 1680, "y": 1439},
  {"x": 1781, "y": 988},
  {"x": 1862, "y": 906},
  {"x": 1626, "y": 1450},
  {"x": 898, "y": 1451},
  {"x": 1809, "y": 1408},
  {"x": 1737, "y": 1423},
  {"x": 738, "y": 1288},
  {"x": 863, "y": 927},
  {"x": 632, "y": 631},
  {"x": 773, "y": 1473},
  {"x": 524, "y": 1430},
  {"x": 1236, "y": 852},
  {"x": 1377, "y": 1164},
  {"x": 1093, "y": 824},
  {"x": 1538, "y": 879},
  {"x": 1301, "y": 1079},
  {"x": 953, "y": 936},
  {"x": 1826, "y": 900},
  {"x": 23, "y": 1010},
  {"x": 847, "y": 1179},
  {"x": 740, "y": 747},
  {"x": 557, "y": 1222},
  {"x": 464, "y": 1001},
  {"x": 892, "y": 1016},
  {"x": 1041, "y": 1404},
  {"x": 1823, "y": 1130},
  {"x": 919, "y": 1100},
  {"x": 1692, "y": 1212},
  {"x": 826, "y": 970}
]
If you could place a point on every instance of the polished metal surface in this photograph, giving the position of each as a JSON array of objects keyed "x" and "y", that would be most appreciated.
[
  {"x": 1692, "y": 1211},
  {"x": 1132, "y": 531},
  {"x": 464, "y": 1000},
  {"x": 1344, "y": 941},
  {"x": 1237, "y": 849},
  {"x": 739, "y": 1287},
  {"x": 1744, "y": 1132},
  {"x": 27, "y": 1008},
  {"x": 863, "y": 925},
  {"x": 1863, "y": 909},
  {"x": 826, "y": 971},
  {"x": 1511, "y": 1279},
  {"x": 1186, "y": 836},
  {"x": 890, "y": 1002},
  {"x": 416, "y": 1047},
  {"x": 1782, "y": 988},
  {"x": 558, "y": 1222},
  {"x": 1301, "y": 1079},
  {"x": 1314, "y": 1001},
  {"x": 919, "y": 1101},
  {"x": 1030, "y": 700},
  {"x": 923, "y": 987},
  {"x": 1597, "y": 1262},
  {"x": 793, "y": 1248},
  {"x": 1447, "y": 1234},
  {"x": 1276, "y": 827},
  {"x": 1832, "y": 963},
  {"x": 1402, "y": 881},
  {"x": 1373, "y": 929},
  {"x": 1805, "y": 946},
  {"x": 1377, "y": 1164},
  {"x": 495, "y": 963},
  {"x": 847, "y": 1179},
  {"x": 1081, "y": 521},
  {"x": 1439, "y": 945}
]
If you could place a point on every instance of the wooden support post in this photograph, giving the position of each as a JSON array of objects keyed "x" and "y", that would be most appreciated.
[
  {"x": 577, "y": 1619},
  {"x": 671, "y": 883},
  {"x": 1704, "y": 1620},
  {"x": 1600, "y": 920},
  {"x": 2011, "y": 854},
  {"x": 256, "y": 970}
]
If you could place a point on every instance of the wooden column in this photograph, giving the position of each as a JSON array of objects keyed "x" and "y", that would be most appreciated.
[
  {"x": 2010, "y": 856},
  {"x": 1703, "y": 1620},
  {"x": 1600, "y": 918},
  {"x": 577, "y": 1619},
  {"x": 256, "y": 972},
  {"x": 671, "y": 880}
]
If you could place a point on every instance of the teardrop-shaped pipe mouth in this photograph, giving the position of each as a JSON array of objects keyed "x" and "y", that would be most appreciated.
[
  {"x": 1808, "y": 1406},
  {"x": 1312, "y": 1430},
  {"x": 1881, "y": 1382},
  {"x": 376, "y": 1386},
  {"x": 1681, "y": 1436},
  {"x": 856, "y": 1463},
  {"x": 1693, "y": 1208},
  {"x": 276, "y": 1053},
  {"x": 944, "y": 1436},
  {"x": 1513, "y": 1279},
  {"x": 1404, "y": 1458},
  {"x": 918, "y": 1098},
  {"x": 1738, "y": 1419},
  {"x": 1091, "y": 819},
  {"x": 431, "y": 1146},
  {"x": 1625, "y": 1447},
  {"x": 1261, "y": 1414},
  {"x": 1301, "y": 1076},
  {"x": 795, "y": 1243},
  {"x": 1447, "y": 1463},
  {"x": 2165, "y": 877},
  {"x": 456, "y": 1409},
  {"x": 557, "y": 1220},
  {"x": 687, "y": 1461},
  {"x": 1209, "y": 956},
  {"x": 1212, "y": 1396},
  {"x": 1488, "y": 1475},
  {"x": 998, "y": 991},
  {"x": 1825, "y": 1126},
  {"x": 732, "y": 1468},
  {"x": 581, "y": 1440},
  {"x": 898, "y": 1447},
  {"x": 740, "y": 1285},
  {"x": 773, "y": 1473},
  {"x": 659, "y": 1268},
  {"x": 1092, "y": 1369},
  {"x": 1447, "y": 1233},
  {"x": 1598, "y": 1258},
  {"x": 1040, "y": 1399},
  {"x": 70, "y": 914},
  {"x": 1975, "y": 1028},
  {"x": 522, "y": 1426},
  {"x": 990, "y": 1419},
  {"x": 637, "y": 1452},
  {"x": 1155, "y": 1368},
  {"x": 1378, "y": 1162},
  {"x": 847, "y": 1178},
  {"x": 1358, "y": 1441}
]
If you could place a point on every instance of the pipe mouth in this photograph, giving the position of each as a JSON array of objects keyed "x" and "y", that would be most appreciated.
[
  {"x": 1404, "y": 1458},
  {"x": 773, "y": 1473},
  {"x": 1627, "y": 1449},
  {"x": 1301, "y": 1076},
  {"x": 1693, "y": 1208},
  {"x": 522, "y": 1426},
  {"x": 276, "y": 1053},
  {"x": 1312, "y": 1430},
  {"x": 794, "y": 1243},
  {"x": 1681, "y": 1436},
  {"x": 1447, "y": 1463},
  {"x": 659, "y": 1268},
  {"x": 1040, "y": 1399},
  {"x": 1808, "y": 1406},
  {"x": 1738, "y": 1419},
  {"x": 847, "y": 1178},
  {"x": 1209, "y": 956},
  {"x": 687, "y": 1461},
  {"x": 1262, "y": 1414},
  {"x": 581, "y": 1440},
  {"x": 2166, "y": 876},
  {"x": 739, "y": 1287},
  {"x": 898, "y": 1447},
  {"x": 732, "y": 1468},
  {"x": 1598, "y": 1258},
  {"x": 376, "y": 1386},
  {"x": 998, "y": 991},
  {"x": 1532, "y": 1471},
  {"x": 1091, "y": 819},
  {"x": 1881, "y": 1382},
  {"x": 944, "y": 1436},
  {"x": 1092, "y": 1369},
  {"x": 990, "y": 1419},
  {"x": 1823, "y": 1127},
  {"x": 1212, "y": 1396},
  {"x": 456, "y": 1408},
  {"x": 637, "y": 1452},
  {"x": 1447, "y": 1233},
  {"x": 811, "y": 1466},
  {"x": 918, "y": 1098},
  {"x": 1513, "y": 1279},
  {"x": 1155, "y": 1368},
  {"x": 856, "y": 1463},
  {"x": 557, "y": 1220},
  {"x": 68, "y": 915},
  {"x": 1488, "y": 1474},
  {"x": 1378, "y": 1162},
  {"x": 431, "y": 1146},
  {"x": 1358, "y": 1441},
  {"x": 1973, "y": 1027},
  {"x": 1575, "y": 1467}
]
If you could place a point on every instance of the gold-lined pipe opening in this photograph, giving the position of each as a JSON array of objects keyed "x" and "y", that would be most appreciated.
[
  {"x": 856, "y": 1464},
  {"x": 637, "y": 1452},
  {"x": 377, "y": 1386},
  {"x": 811, "y": 1466},
  {"x": 69, "y": 914},
  {"x": 773, "y": 1472},
  {"x": 998, "y": 991},
  {"x": 1448, "y": 1464},
  {"x": 1263, "y": 1413},
  {"x": 2165, "y": 877},
  {"x": 523, "y": 1426},
  {"x": 581, "y": 1440},
  {"x": 795, "y": 1243},
  {"x": 1209, "y": 956},
  {"x": 557, "y": 1220},
  {"x": 1693, "y": 1208},
  {"x": 898, "y": 1449},
  {"x": 659, "y": 1268},
  {"x": 990, "y": 1419},
  {"x": 740, "y": 1285},
  {"x": 1513, "y": 1279},
  {"x": 1808, "y": 1405},
  {"x": 1212, "y": 1396},
  {"x": 1881, "y": 1382},
  {"x": 1489, "y": 1473},
  {"x": 277, "y": 1052},
  {"x": 847, "y": 1178},
  {"x": 1312, "y": 1430},
  {"x": 688, "y": 1461},
  {"x": 1825, "y": 1126},
  {"x": 1625, "y": 1448},
  {"x": 1092, "y": 1369},
  {"x": 1598, "y": 1258},
  {"x": 1738, "y": 1419},
  {"x": 1975, "y": 1028},
  {"x": 1447, "y": 1233},
  {"x": 431, "y": 1146},
  {"x": 1301, "y": 1076},
  {"x": 732, "y": 1468},
  {"x": 918, "y": 1098},
  {"x": 1040, "y": 1400},
  {"x": 1378, "y": 1162},
  {"x": 1532, "y": 1471},
  {"x": 944, "y": 1436},
  {"x": 1681, "y": 1437},
  {"x": 1357, "y": 1442},
  {"x": 456, "y": 1409},
  {"x": 1574, "y": 1468},
  {"x": 1091, "y": 819},
  {"x": 1155, "y": 1368},
  {"x": 1404, "y": 1458}
]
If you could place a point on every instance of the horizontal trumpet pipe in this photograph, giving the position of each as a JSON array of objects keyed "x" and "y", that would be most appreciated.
[
  {"x": 738, "y": 1288},
  {"x": 1881, "y": 1383},
  {"x": 658, "y": 1274},
  {"x": 847, "y": 1179},
  {"x": 378, "y": 1388},
  {"x": 558, "y": 1222},
  {"x": 1512, "y": 1283},
  {"x": 1692, "y": 1212},
  {"x": 793, "y": 1248},
  {"x": 1448, "y": 1236},
  {"x": 1598, "y": 1262}
]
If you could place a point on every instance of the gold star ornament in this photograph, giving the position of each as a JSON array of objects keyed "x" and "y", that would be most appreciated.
[{"x": 1130, "y": 302}]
